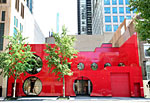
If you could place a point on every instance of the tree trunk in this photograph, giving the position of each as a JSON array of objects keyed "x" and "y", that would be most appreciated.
[
  {"x": 63, "y": 86},
  {"x": 14, "y": 88}
]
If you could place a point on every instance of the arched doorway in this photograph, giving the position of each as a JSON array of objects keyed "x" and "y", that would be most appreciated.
[{"x": 82, "y": 86}]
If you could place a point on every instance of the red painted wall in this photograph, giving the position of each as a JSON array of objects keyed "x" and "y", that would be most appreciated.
[{"x": 100, "y": 78}]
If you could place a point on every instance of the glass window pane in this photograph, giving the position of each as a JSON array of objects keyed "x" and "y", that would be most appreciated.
[
  {"x": 127, "y": 2},
  {"x": 107, "y": 10},
  {"x": 15, "y": 31},
  {"x": 107, "y": 18},
  {"x": 135, "y": 10},
  {"x": 80, "y": 66},
  {"x": 3, "y": 16},
  {"x": 128, "y": 10},
  {"x": 120, "y": 2},
  {"x": 94, "y": 66},
  {"x": 106, "y": 2},
  {"x": 32, "y": 86},
  {"x": 36, "y": 67},
  {"x": 107, "y": 64},
  {"x": 121, "y": 18},
  {"x": 14, "y": 20},
  {"x": 128, "y": 17},
  {"x": 114, "y": 10},
  {"x": 2, "y": 27},
  {"x": 108, "y": 28},
  {"x": 115, "y": 27},
  {"x": 121, "y": 10},
  {"x": 114, "y": 2},
  {"x": 115, "y": 19}
]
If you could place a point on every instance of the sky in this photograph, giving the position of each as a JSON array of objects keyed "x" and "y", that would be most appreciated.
[{"x": 45, "y": 13}]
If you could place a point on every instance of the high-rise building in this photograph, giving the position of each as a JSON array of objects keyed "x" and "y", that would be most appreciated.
[
  {"x": 109, "y": 14},
  {"x": 84, "y": 17},
  {"x": 16, "y": 15}
]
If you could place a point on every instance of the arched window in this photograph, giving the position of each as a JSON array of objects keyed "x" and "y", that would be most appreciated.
[
  {"x": 121, "y": 64},
  {"x": 107, "y": 64}
]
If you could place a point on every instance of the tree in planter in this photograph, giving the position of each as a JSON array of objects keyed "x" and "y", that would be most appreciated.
[
  {"x": 59, "y": 57},
  {"x": 142, "y": 25},
  {"x": 17, "y": 58}
]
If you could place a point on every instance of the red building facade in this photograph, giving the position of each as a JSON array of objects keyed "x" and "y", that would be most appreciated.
[{"x": 107, "y": 71}]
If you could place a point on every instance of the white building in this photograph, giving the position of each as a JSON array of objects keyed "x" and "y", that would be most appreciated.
[{"x": 17, "y": 15}]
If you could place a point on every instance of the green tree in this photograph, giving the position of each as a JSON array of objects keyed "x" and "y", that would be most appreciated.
[
  {"x": 142, "y": 25},
  {"x": 60, "y": 56},
  {"x": 16, "y": 59}
]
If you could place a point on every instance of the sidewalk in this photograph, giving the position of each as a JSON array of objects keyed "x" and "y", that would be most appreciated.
[{"x": 80, "y": 100}]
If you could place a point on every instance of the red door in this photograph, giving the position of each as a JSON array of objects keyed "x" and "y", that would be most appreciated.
[
  {"x": 120, "y": 85},
  {"x": 137, "y": 89}
]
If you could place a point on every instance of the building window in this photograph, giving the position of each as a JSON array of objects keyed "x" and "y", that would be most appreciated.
[
  {"x": 15, "y": 21},
  {"x": 15, "y": 31},
  {"x": 107, "y": 19},
  {"x": 32, "y": 86},
  {"x": 107, "y": 10},
  {"x": 3, "y": 1},
  {"x": 106, "y": 2},
  {"x": 107, "y": 64},
  {"x": 114, "y": 2},
  {"x": 3, "y": 16},
  {"x": 128, "y": 10},
  {"x": 121, "y": 10},
  {"x": 128, "y": 17},
  {"x": 115, "y": 27},
  {"x": 108, "y": 28},
  {"x": 120, "y": 2},
  {"x": 114, "y": 10},
  {"x": 94, "y": 66},
  {"x": 36, "y": 67},
  {"x": 121, "y": 64},
  {"x": 148, "y": 69},
  {"x": 121, "y": 18},
  {"x": 127, "y": 2},
  {"x": 2, "y": 27},
  {"x": 115, "y": 19},
  {"x": 135, "y": 10},
  {"x": 83, "y": 28},
  {"x": 21, "y": 27},
  {"x": 80, "y": 66},
  {"x": 17, "y": 5},
  {"x": 22, "y": 10},
  {"x": 147, "y": 50}
]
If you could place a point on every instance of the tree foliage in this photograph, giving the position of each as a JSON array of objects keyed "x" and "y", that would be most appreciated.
[
  {"x": 16, "y": 59},
  {"x": 60, "y": 55},
  {"x": 143, "y": 24}
]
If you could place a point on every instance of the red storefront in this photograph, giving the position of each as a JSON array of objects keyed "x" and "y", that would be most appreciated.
[{"x": 107, "y": 71}]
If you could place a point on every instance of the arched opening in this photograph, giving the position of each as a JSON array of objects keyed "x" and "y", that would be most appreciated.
[
  {"x": 82, "y": 86},
  {"x": 32, "y": 86}
]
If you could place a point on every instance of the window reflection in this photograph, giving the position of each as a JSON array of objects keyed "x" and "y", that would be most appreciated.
[
  {"x": 36, "y": 67},
  {"x": 107, "y": 64},
  {"x": 32, "y": 86},
  {"x": 121, "y": 64}
]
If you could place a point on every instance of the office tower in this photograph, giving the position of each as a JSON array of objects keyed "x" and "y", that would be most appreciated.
[
  {"x": 114, "y": 13},
  {"x": 84, "y": 17}
]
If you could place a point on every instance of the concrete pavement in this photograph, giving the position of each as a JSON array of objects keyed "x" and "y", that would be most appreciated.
[{"x": 80, "y": 100}]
